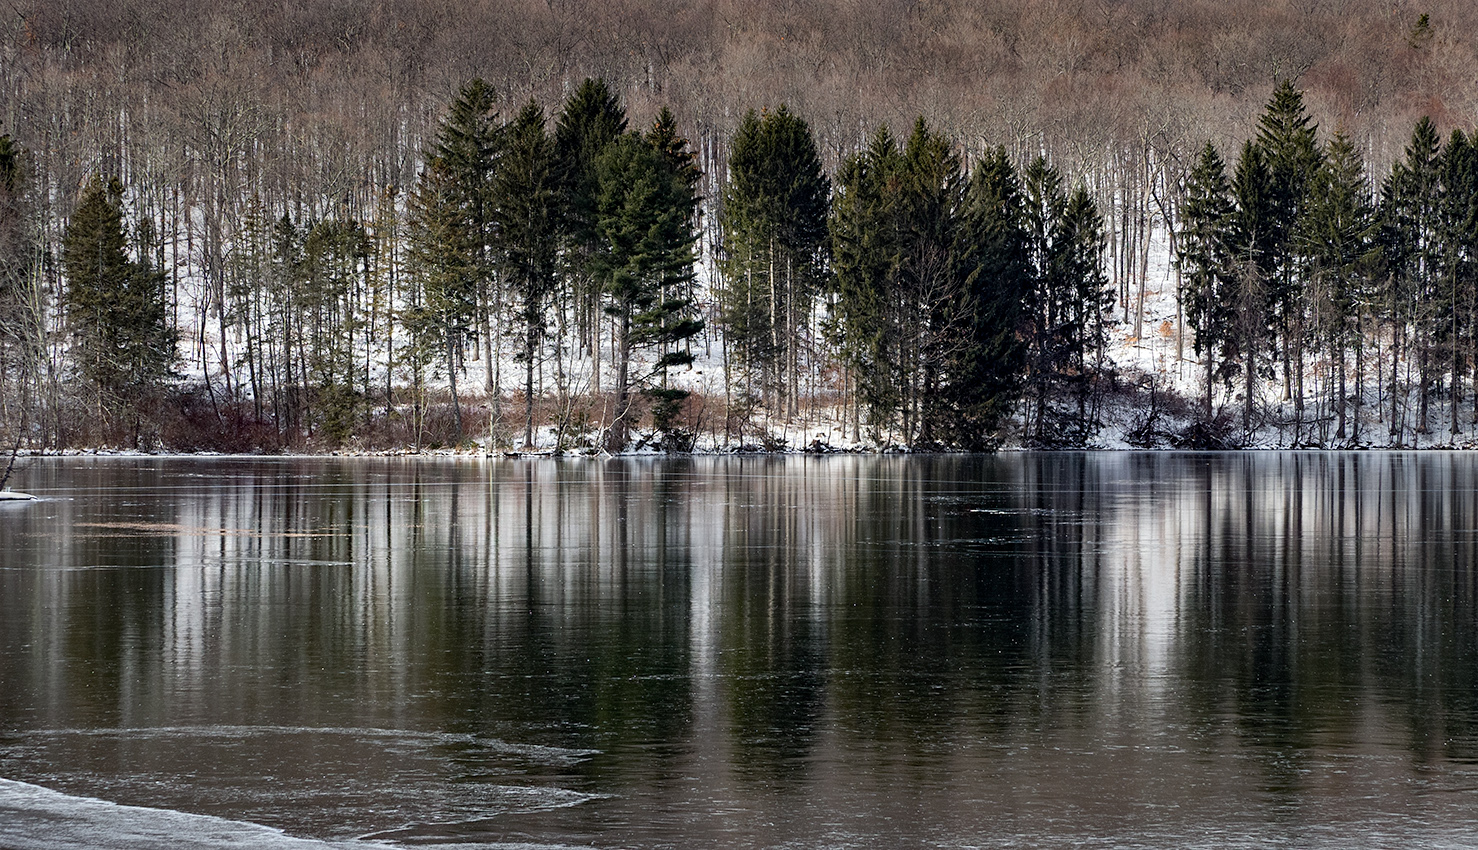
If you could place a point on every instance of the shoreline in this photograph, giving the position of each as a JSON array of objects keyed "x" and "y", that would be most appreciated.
[{"x": 549, "y": 454}]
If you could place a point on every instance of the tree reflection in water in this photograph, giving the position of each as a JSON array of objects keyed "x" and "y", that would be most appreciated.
[{"x": 936, "y": 649}]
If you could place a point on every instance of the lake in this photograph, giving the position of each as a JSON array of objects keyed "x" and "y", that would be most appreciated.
[{"x": 1020, "y": 650}]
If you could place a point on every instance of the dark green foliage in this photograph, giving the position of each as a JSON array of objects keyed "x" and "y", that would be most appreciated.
[
  {"x": 529, "y": 213},
  {"x": 1254, "y": 252},
  {"x": 122, "y": 343},
  {"x": 1458, "y": 291},
  {"x": 644, "y": 263},
  {"x": 1289, "y": 143},
  {"x": 986, "y": 369},
  {"x": 1065, "y": 328},
  {"x": 1410, "y": 235},
  {"x": 335, "y": 256},
  {"x": 865, "y": 244},
  {"x": 929, "y": 282},
  {"x": 591, "y": 120},
  {"x": 452, "y": 230},
  {"x": 1204, "y": 254},
  {"x": 773, "y": 253},
  {"x": 1337, "y": 238},
  {"x": 22, "y": 320}
]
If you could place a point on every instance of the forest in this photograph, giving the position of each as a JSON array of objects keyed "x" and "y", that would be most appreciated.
[{"x": 578, "y": 226}]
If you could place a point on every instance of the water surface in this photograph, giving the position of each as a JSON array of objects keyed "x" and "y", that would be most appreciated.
[{"x": 1033, "y": 650}]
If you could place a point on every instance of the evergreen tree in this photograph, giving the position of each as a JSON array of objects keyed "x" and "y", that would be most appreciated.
[
  {"x": 1337, "y": 238},
  {"x": 1204, "y": 256},
  {"x": 328, "y": 300},
  {"x": 1253, "y": 235},
  {"x": 773, "y": 222},
  {"x": 984, "y": 373},
  {"x": 895, "y": 233},
  {"x": 644, "y": 223},
  {"x": 22, "y": 317},
  {"x": 865, "y": 248},
  {"x": 440, "y": 316},
  {"x": 1458, "y": 223},
  {"x": 591, "y": 120},
  {"x": 286, "y": 325},
  {"x": 121, "y": 339},
  {"x": 929, "y": 277},
  {"x": 679, "y": 300},
  {"x": 452, "y": 231},
  {"x": 466, "y": 156},
  {"x": 932, "y": 285},
  {"x": 1065, "y": 303},
  {"x": 1409, "y": 211},
  {"x": 1288, "y": 140},
  {"x": 1078, "y": 269},
  {"x": 528, "y": 201}
]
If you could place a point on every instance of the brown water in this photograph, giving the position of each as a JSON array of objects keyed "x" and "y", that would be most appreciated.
[{"x": 1027, "y": 650}]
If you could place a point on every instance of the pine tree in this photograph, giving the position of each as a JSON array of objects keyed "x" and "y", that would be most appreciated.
[
  {"x": 1337, "y": 238},
  {"x": 334, "y": 262},
  {"x": 528, "y": 201},
  {"x": 466, "y": 154},
  {"x": 865, "y": 248},
  {"x": 1253, "y": 235},
  {"x": 452, "y": 231},
  {"x": 1049, "y": 303},
  {"x": 1409, "y": 211},
  {"x": 22, "y": 317},
  {"x": 645, "y": 229},
  {"x": 934, "y": 325},
  {"x": 440, "y": 316},
  {"x": 985, "y": 370},
  {"x": 1288, "y": 140},
  {"x": 591, "y": 120},
  {"x": 1459, "y": 240},
  {"x": 929, "y": 280},
  {"x": 773, "y": 222},
  {"x": 285, "y": 324},
  {"x": 116, "y": 309},
  {"x": 678, "y": 299},
  {"x": 1204, "y": 257},
  {"x": 1078, "y": 268}
]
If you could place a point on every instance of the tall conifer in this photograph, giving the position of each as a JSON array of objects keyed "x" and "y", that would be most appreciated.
[
  {"x": 1204, "y": 256},
  {"x": 773, "y": 222},
  {"x": 122, "y": 342},
  {"x": 529, "y": 206}
]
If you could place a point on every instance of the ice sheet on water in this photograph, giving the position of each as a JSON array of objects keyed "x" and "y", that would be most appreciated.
[
  {"x": 328, "y": 782},
  {"x": 37, "y": 818}
]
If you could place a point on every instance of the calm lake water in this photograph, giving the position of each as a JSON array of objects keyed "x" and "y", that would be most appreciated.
[{"x": 1027, "y": 650}]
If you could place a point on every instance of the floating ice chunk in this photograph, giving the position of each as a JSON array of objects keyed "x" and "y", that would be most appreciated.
[{"x": 37, "y": 818}]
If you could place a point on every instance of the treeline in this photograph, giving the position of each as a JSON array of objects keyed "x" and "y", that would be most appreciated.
[
  {"x": 918, "y": 300},
  {"x": 279, "y": 170},
  {"x": 515, "y": 244},
  {"x": 930, "y": 291},
  {"x": 1361, "y": 308}
]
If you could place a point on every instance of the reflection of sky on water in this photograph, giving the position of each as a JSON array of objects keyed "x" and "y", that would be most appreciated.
[{"x": 824, "y": 648}]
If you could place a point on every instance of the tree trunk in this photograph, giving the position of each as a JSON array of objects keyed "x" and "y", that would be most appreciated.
[
  {"x": 620, "y": 428},
  {"x": 451, "y": 375},
  {"x": 531, "y": 342}
]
